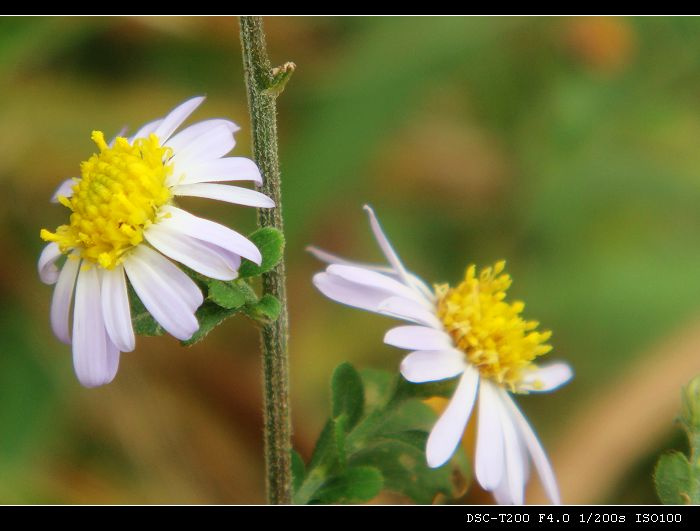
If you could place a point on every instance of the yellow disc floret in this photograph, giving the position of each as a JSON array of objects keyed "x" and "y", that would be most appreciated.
[
  {"x": 118, "y": 196},
  {"x": 489, "y": 330}
]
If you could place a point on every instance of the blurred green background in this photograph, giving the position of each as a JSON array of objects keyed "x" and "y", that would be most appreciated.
[{"x": 567, "y": 146}]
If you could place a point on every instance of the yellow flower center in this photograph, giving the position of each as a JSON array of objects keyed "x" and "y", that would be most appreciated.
[
  {"x": 119, "y": 195},
  {"x": 489, "y": 330}
]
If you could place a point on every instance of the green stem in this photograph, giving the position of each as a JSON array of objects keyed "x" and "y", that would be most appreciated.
[{"x": 264, "y": 85}]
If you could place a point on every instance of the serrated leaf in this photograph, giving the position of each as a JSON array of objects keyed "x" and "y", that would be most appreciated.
[
  {"x": 347, "y": 394},
  {"x": 229, "y": 295},
  {"x": 142, "y": 321},
  {"x": 265, "y": 311},
  {"x": 356, "y": 484},
  {"x": 270, "y": 243},
  {"x": 209, "y": 316},
  {"x": 298, "y": 470},
  {"x": 405, "y": 470},
  {"x": 672, "y": 479}
]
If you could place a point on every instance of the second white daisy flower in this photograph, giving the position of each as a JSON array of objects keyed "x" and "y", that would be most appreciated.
[
  {"x": 124, "y": 224},
  {"x": 469, "y": 332}
]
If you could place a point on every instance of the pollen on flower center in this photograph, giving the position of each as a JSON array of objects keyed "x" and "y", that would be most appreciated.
[
  {"x": 119, "y": 194},
  {"x": 489, "y": 330}
]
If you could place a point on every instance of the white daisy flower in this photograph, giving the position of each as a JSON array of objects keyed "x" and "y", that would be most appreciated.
[
  {"x": 124, "y": 224},
  {"x": 469, "y": 332}
]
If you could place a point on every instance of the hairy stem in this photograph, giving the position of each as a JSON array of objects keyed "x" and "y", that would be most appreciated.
[{"x": 264, "y": 84}]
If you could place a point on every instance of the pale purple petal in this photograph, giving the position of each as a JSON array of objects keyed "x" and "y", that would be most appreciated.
[
  {"x": 65, "y": 189},
  {"x": 175, "y": 118},
  {"x": 95, "y": 358},
  {"x": 413, "y": 337},
  {"x": 545, "y": 378},
  {"x": 216, "y": 170},
  {"x": 212, "y": 144},
  {"x": 48, "y": 272},
  {"x": 184, "y": 138},
  {"x": 181, "y": 221},
  {"x": 409, "y": 310},
  {"x": 168, "y": 294},
  {"x": 432, "y": 365},
  {"x": 222, "y": 192},
  {"x": 204, "y": 258},
  {"x": 62, "y": 298},
  {"x": 115, "y": 308}
]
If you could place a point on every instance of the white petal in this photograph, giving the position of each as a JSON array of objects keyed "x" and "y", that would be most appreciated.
[
  {"x": 146, "y": 130},
  {"x": 224, "y": 169},
  {"x": 431, "y": 365},
  {"x": 515, "y": 463},
  {"x": 204, "y": 258},
  {"x": 385, "y": 246},
  {"x": 115, "y": 308},
  {"x": 546, "y": 378},
  {"x": 175, "y": 118},
  {"x": 64, "y": 189},
  {"x": 373, "y": 279},
  {"x": 179, "y": 220},
  {"x": 344, "y": 292},
  {"x": 415, "y": 282},
  {"x": 222, "y": 192},
  {"x": 183, "y": 139},
  {"x": 489, "y": 457},
  {"x": 48, "y": 272},
  {"x": 95, "y": 358},
  {"x": 212, "y": 144},
  {"x": 167, "y": 293},
  {"x": 169, "y": 274},
  {"x": 539, "y": 457},
  {"x": 409, "y": 310},
  {"x": 448, "y": 430},
  {"x": 62, "y": 298},
  {"x": 418, "y": 338}
]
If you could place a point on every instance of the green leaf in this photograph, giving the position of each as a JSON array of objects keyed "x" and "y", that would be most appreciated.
[
  {"x": 270, "y": 243},
  {"x": 265, "y": 311},
  {"x": 677, "y": 478},
  {"x": 672, "y": 479},
  {"x": 229, "y": 295},
  {"x": 143, "y": 322},
  {"x": 347, "y": 394},
  {"x": 209, "y": 316},
  {"x": 356, "y": 484},
  {"x": 298, "y": 470},
  {"x": 404, "y": 469}
]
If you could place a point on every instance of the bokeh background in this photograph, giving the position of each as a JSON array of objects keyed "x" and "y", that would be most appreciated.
[{"x": 567, "y": 146}]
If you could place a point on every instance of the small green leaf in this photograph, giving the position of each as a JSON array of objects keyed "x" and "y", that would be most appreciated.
[
  {"x": 347, "y": 394},
  {"x": 405, "y": 470},
  {"x": 672, "y": 479},
  {"x": 270, "y": 243},
  {"x": 143, "y": 322},
  {"x": 356, "y": 484},
  {"x": 265, "y": 311},
  {"x": 229, "y": 295},
  {"x": 209, "y": 316},
  {"x": 298, "y": 470},
  {"x": 325, "y": 450}
]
